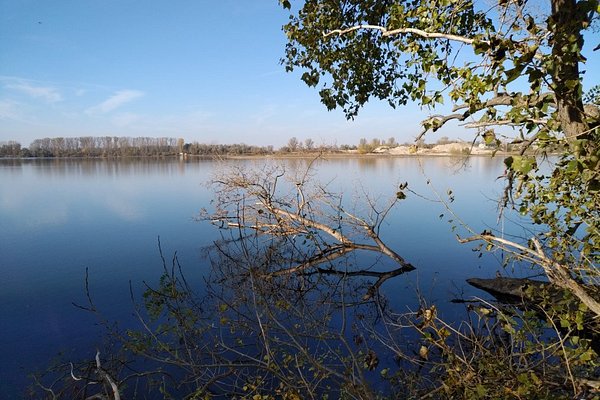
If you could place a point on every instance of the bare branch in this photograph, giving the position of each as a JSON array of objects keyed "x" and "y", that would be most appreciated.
[
  {"x": 311, "y": 223},
  {"x": 44, "y": 388},
  {"x": 559, "y": 274},
  {"x": 107, "y": 378},
  {"x": 385, "y": 32},
  {"x": 381, "y": 277},
  {"x": 437, "y": 121},
  {"x": 505, "y": 99},
  {"x": 326, "y": 256},
  {"x": 500, "y": 100},
  {"x": 327, "y": 230}
]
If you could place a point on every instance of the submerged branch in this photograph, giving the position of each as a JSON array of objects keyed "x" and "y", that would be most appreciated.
[
  {"x": 557, "y": 273},
  {"x": 317, "y": 219},
  {"x": 107, "y": 378},
  {"x": 326, "y": 256},
  {"x": 311, "y": 224},
  {"x": 381, "y": 276}
]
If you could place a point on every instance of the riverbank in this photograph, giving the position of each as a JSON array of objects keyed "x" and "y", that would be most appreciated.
[
  {"x": 456, "y": 149},
  {"x": 462, "y": 149}
]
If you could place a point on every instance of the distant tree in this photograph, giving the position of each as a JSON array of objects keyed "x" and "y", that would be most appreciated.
[
  {"x": 293, "y": 144},
  {"x": 363, "y": 146},
  {"x": 443, "y": 140},
  {"x": 10, "y": 148},
  {"x": 309, "y": 144}
]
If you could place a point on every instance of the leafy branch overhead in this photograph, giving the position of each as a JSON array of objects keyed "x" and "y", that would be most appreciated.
[{"x": 512, "y": 62}]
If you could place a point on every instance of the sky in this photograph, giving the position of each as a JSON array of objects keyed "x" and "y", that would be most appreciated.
[{"x": 206, "y": 71}]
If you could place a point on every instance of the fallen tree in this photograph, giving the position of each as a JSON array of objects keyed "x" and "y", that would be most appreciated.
[{"x": 312, "y": 224}]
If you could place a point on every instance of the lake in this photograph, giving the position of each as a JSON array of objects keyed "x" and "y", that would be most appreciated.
[{"x": 61, "y": 217}]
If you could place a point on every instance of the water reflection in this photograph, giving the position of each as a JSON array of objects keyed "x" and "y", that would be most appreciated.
[
  {"x": 58, "y": 217},
  {"x": 50, "y": 192}
]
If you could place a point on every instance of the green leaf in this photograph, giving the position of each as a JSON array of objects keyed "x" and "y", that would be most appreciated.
[
  {"x": 513, "y": 74},
  {"x": 522, "y": 164},
  {"x": 489, "y": 137},
  {"x": 587, "y": 356}
]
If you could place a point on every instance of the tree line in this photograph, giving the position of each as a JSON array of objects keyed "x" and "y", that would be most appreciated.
[
  {"x": 93, "y": 146},
  {"x": 201, "y": 149},
  {"x": 114, "y": 146}
]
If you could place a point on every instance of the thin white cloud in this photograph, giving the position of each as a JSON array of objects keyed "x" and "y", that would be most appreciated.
[
  {"x": 47, "y": 93},
  {"x": 279, "y": 71},
  {"x": 123, "y": 120},
  {"x": 115, "y": 101},
  {"x": 267, "y": 112},
  {"x": 9, "y": 110}
]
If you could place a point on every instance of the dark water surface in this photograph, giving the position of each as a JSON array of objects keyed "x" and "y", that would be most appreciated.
[{"x": 59, "y": 217}]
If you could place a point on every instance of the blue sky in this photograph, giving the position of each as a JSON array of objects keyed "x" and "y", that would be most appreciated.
[{"x": 206, "y": 71}]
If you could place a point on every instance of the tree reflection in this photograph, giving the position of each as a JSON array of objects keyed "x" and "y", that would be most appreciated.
[{"x": 291, "y": 309}]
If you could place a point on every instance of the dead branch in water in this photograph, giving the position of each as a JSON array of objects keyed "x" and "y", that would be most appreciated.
[{"x": 308, "y": 217}]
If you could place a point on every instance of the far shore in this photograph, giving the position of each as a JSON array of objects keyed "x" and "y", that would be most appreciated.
[
  {"x": 455, "y": 149},
  {"x": 443, "y": 150}
]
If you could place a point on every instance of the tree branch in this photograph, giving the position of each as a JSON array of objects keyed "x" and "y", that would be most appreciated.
[
  {"x": 502, "y": 122},
  {"x": 107, "y": 378},
  {"x": 504, "y": 99},
  {"x": 440, "y": 120},
  {"x": 381, "y": 277},
  {"x": 385, "y": 32},
  {"x": 310, "y": 223},
  {"x": 327, "y": 255},
  {"x": 259, "y": 208},
  {"x": 557, "y": 273}
]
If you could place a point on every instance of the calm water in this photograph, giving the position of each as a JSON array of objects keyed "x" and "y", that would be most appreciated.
[{"x": 59, "y": 217}]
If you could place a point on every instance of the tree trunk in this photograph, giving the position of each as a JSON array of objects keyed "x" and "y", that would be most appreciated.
[{"x": 566, "y": 23}]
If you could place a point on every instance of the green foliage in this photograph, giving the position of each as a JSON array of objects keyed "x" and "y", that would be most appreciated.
[
  {"x": 508, "y": 65},
  {"x": 501, "y": 354},
  {"x": 593, "y": 96},
  {"x": 358, "y": 50},
  {"x": 566, "y": 203},
  {"x": 362, "y": 64}
]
